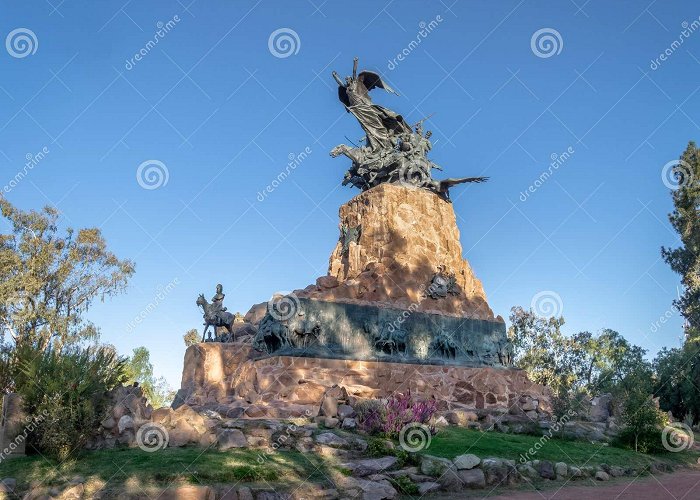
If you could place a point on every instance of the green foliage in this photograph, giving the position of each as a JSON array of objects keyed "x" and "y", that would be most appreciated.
[
  {"x": 405, "y": 486},
  {"x": 678, "y": 379},
  {"x": 65, "y": 392},
  {"x": 139, "y": 369},
  {"x": 378, "y": 447},
  {"x": 685, "y": 219},
  {"x": 578, "y": 365},
  {"x": 48, "y": 280},
  {"x": 643, "y": 423},
  {"x": 191, "y": 337},
  {"x": 679, "y": 369}
]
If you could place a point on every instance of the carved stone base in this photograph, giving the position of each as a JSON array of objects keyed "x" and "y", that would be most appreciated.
[
  {"x": 316, "y": 328},
  {"x": 226, "y": 376}
]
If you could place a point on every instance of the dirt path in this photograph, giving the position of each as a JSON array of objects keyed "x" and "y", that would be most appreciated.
[{"x": 678, "y": 486}]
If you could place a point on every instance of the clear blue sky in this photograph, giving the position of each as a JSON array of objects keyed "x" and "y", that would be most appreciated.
[{"x": 222, "y": 113}]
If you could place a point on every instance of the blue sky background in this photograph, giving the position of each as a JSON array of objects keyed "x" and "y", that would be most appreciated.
[{"x": 223, "y": 113}]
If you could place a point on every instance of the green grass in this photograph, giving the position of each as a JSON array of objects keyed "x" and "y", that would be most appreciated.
[
  {"x": 114, "y": 468},
  {"x": 452, "y": 441}
]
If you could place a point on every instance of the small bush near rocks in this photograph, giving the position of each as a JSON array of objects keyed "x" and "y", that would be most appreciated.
[
  {"x": 390, "y": 416},
  {"x": 405, "y": 486},
  {"x": 371, "y": 414},
  {"x": 64, "y": 392}
]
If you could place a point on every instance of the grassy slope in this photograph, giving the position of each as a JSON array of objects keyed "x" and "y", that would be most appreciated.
[
  {"x": 172, "y": 465},
  {"x": 453, "y": 441},
  {"x": 192, "y": 465}
]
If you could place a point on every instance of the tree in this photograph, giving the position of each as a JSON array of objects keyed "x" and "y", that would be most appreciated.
[
  {"x": 139, "y": 369},
  {"x": 642, "y": 422},
  {"x": 49, "y": 278},
  {"x": 685, "y": 219},
  {"x": 191, "y": 337},
  {"x": 679, "y": 369}
]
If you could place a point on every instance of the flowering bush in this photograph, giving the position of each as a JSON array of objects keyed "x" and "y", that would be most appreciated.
[{"x": 394, "y": 414}]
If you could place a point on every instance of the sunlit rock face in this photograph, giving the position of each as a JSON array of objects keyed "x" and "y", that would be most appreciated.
[{"x": 393, "y": 240}]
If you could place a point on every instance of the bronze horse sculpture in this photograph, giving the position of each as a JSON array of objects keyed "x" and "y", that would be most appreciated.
[{"x": 216, "y": 318}]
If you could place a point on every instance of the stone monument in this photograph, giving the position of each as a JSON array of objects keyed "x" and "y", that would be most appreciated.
[{"x": 399, "y": 309}]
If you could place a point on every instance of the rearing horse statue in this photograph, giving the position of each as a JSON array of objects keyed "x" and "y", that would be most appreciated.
[{"x": 215, "y": 319}]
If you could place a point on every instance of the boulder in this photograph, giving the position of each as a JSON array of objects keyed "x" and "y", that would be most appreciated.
[
  {"x": 601, "y": 476},
  {"x": 231, "y": 438},
  {"x": 472, "y": 478},
  {"x": 369, "y": 466},
  {"x": 345, "y": 411},
  {"x": 496, "y": 471},
  {"x": 332, "y": 440},
  {"x": 329, "y": 406},
  {"x": 189, "y": 492},
  {"x": 561, "y": 470},
  {"x": 125, "y": 422},
  {"x": 601, "y": 408},
  {"x": 434, "y": 466},
  {"x": 467, "y": 461},
  {"x": 546, "y": 470},
  {"x": 349, "y": 423},
  {"x": 331, "y": 422}
]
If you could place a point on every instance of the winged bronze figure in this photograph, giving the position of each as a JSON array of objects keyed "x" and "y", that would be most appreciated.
[{"x": 394, "y": 151}]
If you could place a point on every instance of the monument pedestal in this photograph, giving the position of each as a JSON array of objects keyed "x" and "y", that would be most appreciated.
[{"x": 226, "y": 377}]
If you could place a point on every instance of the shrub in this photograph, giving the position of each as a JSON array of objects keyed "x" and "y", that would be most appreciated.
[
  {"x": 402, "y": 409},
  {"x": 643, "y": 422},
  {"x": 371, "y": 414},
  {"x": 65, "y": 392}
]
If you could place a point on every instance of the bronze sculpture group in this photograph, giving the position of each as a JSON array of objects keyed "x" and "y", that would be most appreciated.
[{"x": 394, "y": 151}]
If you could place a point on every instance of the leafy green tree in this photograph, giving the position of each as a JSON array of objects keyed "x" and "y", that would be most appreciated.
[
  {"x": 642, "y": 422},
  {"x": 675, "y": 383},
  {"x": 685, "y": 219},
  {"x": 139, "y": 369},
  {"x": 49, "y": 278},
  {"x": 191, "y": 337},
  {"x": 678, "y": 370}
]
